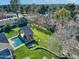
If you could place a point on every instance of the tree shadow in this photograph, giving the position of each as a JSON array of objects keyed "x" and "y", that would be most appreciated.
[
  {"x": 30, "y": 44},
  {"x": 8, "y": 30}
]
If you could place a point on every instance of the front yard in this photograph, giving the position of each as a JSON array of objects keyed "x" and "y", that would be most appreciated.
[{"x": 41, "y": 35}]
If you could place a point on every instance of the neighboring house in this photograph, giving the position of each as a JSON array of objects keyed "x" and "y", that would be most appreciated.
[
  {"x": 22, "y": 21},
  {"x": 6, "y": 54},
  {"x": 19, "y": 22},
  {"x": 12, "y": 22},
  {"x": 10, "y": 15},
  {"x": 1, "y": 25},
  {"x": 5, "y": 48}
]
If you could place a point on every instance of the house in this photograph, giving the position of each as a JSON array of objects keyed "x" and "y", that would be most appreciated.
[
  {"x": 19, "y": 22},
  {"x": 10, "y": 15},
  {"x": 12, "y": 22},
  {"x": 27, "y": 35},
  {"x": 5, "y": 48},
  {"x": 22, "y": 22},
  {"x": 6, "y": 54}
]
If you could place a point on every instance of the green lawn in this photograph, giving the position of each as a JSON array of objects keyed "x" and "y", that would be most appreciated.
[
  {"x": 54, "y": 45},
  {"x": 41, "y": 35},
  {"x": 12, "y": 33},
  {"x": 33, "y": 54}
]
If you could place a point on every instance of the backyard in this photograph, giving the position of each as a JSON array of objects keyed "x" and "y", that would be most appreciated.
[
  {"x": 13, "y": 32},
  {"x": 39, "y": 29},
  {"x": 41, "y": 35}
]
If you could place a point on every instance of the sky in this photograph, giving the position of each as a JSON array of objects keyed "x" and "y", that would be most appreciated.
[{"x": 5, "y": 2}]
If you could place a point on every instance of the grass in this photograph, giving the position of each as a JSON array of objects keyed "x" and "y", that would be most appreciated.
[
  {"x": 54, "y": 45},
  {"x": 33, "y": 54},
  {"x": 41, "y": 35},
  {"x": 12, "y": 33}
]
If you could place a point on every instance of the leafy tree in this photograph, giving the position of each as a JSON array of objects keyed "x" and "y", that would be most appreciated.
[
  {"x": 27, "y": 8},
  {"x": 21, "y": 9},
  {"x": 68, "y": 40},
  {"x": 33, "y": 8},
  {"x": 7, "y": 26},
  {"x": 7, "y": 8},
  {"x": 62, "y": 14},
  {"x": 42, "y": 9},
  {"x": 22, "y": 22},
  {"x": 71, "y": 8},
  {"x": 15, "y": 4},
  {"x": 50, "y": 9}
]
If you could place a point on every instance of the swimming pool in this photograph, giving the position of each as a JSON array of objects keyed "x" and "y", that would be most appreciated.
[{"x": 16, "y": 41}]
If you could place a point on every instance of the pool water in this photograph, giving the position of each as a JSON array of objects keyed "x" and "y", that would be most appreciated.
[{"x": 16, "y": 41}]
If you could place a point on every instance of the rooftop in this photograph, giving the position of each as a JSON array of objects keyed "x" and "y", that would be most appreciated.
[
  {"x": 27, "y": 30},
  {"x": 3, "y": 42},
  {"x": 3, "y": 38},
  {"x": 6, "y": 54}
]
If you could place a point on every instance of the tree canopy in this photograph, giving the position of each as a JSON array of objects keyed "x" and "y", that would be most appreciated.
[
  {"x": 14, "y": 4},
  {"x": 43, "y": 9},
  {"x": 62, "y": 13}
]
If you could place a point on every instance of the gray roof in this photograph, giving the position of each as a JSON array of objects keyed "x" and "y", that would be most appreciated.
[
  {"x": 3, "y": 38},
  {"x": 21, "y": 20},
  {"x": 27, "y": 30},
  {"x": 4, "y": 42},
  {"x": 6, "y": 54}
]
